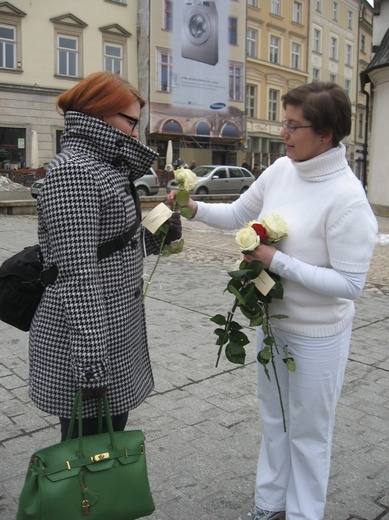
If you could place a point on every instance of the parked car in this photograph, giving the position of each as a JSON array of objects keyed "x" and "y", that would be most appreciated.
[
  {"x": 145, "y": 186},
  {"x": 218, "y": 179}
]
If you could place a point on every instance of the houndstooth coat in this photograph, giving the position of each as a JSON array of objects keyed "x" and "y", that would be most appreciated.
[{"x": 89, "y": 330}]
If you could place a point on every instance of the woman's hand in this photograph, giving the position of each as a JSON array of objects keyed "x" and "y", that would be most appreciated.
[
  {"x": 263, "y": 253},
  {"x": 175, "y": 229},
  {"x": 192, "y": 205}
]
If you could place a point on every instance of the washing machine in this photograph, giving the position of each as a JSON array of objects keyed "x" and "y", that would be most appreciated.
[{"x": 200, "y": 32}]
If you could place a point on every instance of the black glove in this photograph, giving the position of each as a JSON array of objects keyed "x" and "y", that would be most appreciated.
[
  {"x": 93, "y": 393},
  {"x": 175, "y": 228}
]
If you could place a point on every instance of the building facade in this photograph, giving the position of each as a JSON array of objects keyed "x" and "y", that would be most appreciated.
[
  {"x": 213, "y": 72},
  {"x": 376, "y": 77},
  {"x": 46, "y": 47},
  {"x": 277, "y": 53}
]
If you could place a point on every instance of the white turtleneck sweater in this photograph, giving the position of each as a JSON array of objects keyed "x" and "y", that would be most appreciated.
[{"x": 332, "y": 231}]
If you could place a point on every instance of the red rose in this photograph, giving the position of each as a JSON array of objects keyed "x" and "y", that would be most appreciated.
[{"x": 261, "y": 232}]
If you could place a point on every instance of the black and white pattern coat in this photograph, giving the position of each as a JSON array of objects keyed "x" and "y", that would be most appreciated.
[{"x": 89, "y": 330}]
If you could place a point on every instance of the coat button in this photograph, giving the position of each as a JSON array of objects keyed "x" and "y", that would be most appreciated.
[
  {"x": 117, "y": 161},
  {"x": 119, "y": 142},
  {"x": 137, "y": 293}
]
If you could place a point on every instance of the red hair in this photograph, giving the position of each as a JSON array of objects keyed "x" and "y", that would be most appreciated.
[{"x": 99, "y": 94}]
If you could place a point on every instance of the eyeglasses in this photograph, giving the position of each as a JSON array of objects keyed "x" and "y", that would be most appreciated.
[
  {"x": 132, "y": 121},
  {"x": 292, "y": 128}
]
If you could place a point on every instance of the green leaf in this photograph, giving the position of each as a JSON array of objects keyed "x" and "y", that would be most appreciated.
[
  {"x": 265, "y": 354},
  {"x": 235, "y": 354},
  {"x": 256, "y": 321},
  {"x": 290, "y": 364},
  {"x": 182, "y": 198},
  {"x": 239, "y": 338},
  {"x": 279, "y": 316},
  {"x": 219, "y": 319},
  {"x": 238, "y": 275},
  {"x": 269, "y": 340},
  {"x": 234, "y": 325},
  {"x": 186, "y": 213}
]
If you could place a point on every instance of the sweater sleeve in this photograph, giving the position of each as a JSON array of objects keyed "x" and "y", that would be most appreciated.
[
  {"x": 322, "y": 280},
  {"x": 225, "y": 216}
]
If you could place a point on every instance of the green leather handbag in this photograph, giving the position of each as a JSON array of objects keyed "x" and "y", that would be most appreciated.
[{"x": 101, "y": 476}]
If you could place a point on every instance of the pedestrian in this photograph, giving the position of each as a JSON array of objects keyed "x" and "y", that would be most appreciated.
[
  {"x": 256, "y": 171},
  {"x": 192, "y": 164},
  {"x": 323, "y": 263},
  {"x": 246, "y": 165},
  {"x": 89, "y": 331}
]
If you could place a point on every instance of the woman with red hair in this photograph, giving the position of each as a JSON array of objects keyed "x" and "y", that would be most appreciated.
[{"x": 89, "y": 331}]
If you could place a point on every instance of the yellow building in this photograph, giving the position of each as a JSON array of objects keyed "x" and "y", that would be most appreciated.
[{"x": 277, "y": 51}]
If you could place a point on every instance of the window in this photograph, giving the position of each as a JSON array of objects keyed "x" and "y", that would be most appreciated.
[
  {"x": 318, "y": 6},
  {"x": 347, "y": 86},
  {"x": 7, "y": 47},
  {"x": 335, "y": 11},
  {"x": 233, "y": 31},
  {"x": 363, "y": 43},
  {"x": 317, "y": 40},
  {"x": 275, "y": 7},
  {"x": 68, "y": 30},
  {"x": 360, "y": 125},
  {"x": 349, "y": 54},
  {"x": 295, "y": 57},
  {"x": 67, "y": 55},
  {"x": 251, "y": 97},
  {"x": 235, "y": 80},
  {"x": 297, "y": 12},
  {"x": 168, "y": 21},
  {"x": 165, "y": 63},
  {"x": 333, "y": 78},
  {"x": 315, "y": 74},
  {"x": 113, "y": 58},
  {"x": 12, "y": 147},
  {"x": 333, "y": 48},
  {"x": 350, "y": 20},
  {"x": 252, "y": 3},
  {"x": 251, "y": 43},
  {"x": 274, "y": 49},
  {"x": 273, "y": 105}
]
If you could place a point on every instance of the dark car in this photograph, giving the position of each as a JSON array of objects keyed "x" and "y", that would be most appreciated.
[
  {"x": 219, "y": 179},
  {"x": 145, "y": 186}
]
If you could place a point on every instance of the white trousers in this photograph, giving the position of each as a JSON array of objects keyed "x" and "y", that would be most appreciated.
[{"x": 293, "y": 467}]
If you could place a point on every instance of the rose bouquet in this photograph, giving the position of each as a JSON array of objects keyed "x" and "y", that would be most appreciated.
[
  {"x": 254, "y": 290},
  {"x": 186, "y": 181}
]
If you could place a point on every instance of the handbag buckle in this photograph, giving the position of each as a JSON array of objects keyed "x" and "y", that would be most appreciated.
[
  {"x": 85, "y": 507},
  {"x": 99, "y": 457}
]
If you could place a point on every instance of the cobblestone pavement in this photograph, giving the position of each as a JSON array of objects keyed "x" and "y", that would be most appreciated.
[{"x": 201, "y": 422}]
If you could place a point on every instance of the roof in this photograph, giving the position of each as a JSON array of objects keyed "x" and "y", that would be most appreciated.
[{"x": 379, "y": 61}]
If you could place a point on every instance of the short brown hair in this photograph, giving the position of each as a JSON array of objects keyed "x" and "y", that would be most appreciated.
[
  {"x": 99, "y": 94},
  {"x": 325, "y": 105}
]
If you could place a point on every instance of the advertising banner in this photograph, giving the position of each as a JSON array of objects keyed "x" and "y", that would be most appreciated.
[{"x": 200, "y": 54}]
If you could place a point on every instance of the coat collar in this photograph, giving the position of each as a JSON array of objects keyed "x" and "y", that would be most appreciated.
[{"x": 87, "y": 134}]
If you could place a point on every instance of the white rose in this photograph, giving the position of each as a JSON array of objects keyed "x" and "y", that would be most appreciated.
[
  {"x": 185, "y": 178},
  {"x": 275, "y": 227},
  {"x": 247, "y": 239}
]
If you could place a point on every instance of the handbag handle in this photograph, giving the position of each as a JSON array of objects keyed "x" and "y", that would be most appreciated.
[{"x": 77, "y": 411}]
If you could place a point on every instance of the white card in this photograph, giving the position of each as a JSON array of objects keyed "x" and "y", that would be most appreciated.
[
  {"x": 157, "y": 216},
  {"x": 264, "y": 283}
]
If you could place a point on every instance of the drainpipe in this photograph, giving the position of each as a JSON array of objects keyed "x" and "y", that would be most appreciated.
[{"x": 365, "y": 151}]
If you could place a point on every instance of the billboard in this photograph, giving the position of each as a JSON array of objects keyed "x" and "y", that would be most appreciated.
[
  {"x": 200, "y": 55},
  {"x": 199, "y": 69}
]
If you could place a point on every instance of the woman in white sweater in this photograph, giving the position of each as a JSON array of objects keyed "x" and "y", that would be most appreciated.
[{"x": 323, "y": 263}]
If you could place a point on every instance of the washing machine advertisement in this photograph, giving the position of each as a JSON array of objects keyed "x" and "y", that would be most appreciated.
[{"x": 200, "y": 54}]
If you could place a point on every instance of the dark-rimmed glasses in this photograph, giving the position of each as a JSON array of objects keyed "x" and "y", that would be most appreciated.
[
  {"x": 132, "y": 121},
  {"x": 292, "y": 128}
]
